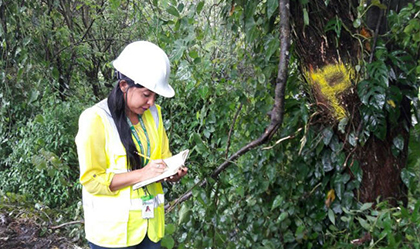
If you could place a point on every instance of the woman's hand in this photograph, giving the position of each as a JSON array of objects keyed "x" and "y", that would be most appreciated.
[
  {"x": 152, "y": 169},
  {"x": 181, "y": 173}
]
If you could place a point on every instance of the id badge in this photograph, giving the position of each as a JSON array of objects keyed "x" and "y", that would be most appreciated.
[{"x": 148, "y": 209}]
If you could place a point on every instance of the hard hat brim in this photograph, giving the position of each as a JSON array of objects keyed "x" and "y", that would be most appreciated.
[{"x": 167, "y": 92}]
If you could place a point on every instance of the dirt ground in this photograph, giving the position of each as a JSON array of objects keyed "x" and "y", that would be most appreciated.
[{"x": 19, "y": 233}]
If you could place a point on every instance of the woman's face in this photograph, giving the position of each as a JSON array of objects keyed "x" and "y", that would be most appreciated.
[{"x": 138, "y": 99}]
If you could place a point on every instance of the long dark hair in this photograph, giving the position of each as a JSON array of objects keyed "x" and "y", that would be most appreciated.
[{"x": 117, "y": 107}]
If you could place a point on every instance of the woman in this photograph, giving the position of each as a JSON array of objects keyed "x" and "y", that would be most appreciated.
[{"x": 121, "y": 141}]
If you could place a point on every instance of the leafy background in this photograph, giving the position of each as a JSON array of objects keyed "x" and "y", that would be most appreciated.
[{"x": 289, "y": 193}]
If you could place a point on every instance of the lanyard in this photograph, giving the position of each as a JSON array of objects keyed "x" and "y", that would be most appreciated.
[{"x": 136, "y": 136}]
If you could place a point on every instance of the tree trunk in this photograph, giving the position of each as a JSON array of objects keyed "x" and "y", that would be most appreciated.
[{"x": 329, "y": 48}]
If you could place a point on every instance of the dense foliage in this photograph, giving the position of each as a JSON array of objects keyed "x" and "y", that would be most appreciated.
[{"x": 294, "y": 191}]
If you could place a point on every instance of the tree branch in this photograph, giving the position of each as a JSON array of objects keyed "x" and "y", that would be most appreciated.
[
  {"x": 375, "y": 36},
  {"x": 231, "y": 129},
  {"x": 278, "y": 107}
]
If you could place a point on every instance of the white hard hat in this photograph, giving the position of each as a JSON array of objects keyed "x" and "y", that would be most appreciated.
[{"x": 146, "y": 64}]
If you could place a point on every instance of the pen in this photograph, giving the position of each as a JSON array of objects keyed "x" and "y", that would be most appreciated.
[{"x": 146, "y": 157}]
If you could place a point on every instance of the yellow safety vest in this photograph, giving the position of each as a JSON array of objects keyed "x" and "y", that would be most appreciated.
[{"x": 107, "y": 217}]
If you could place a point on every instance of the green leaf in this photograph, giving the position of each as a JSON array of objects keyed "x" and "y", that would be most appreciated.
[
  {"x": 200, "y": 6},
  {"x": 339, "y": 189},
  {"x": 206, "y": 133},
  {"x": 339, "y": 182},
  {"x": 342, "y": 125},
  {"x": 380, "y": 130},
  {"x": 200, "y": 146},
  {"x": 39, "y": 119},
  {"x": 251, "y": 201},
  {"x": 240, "y": 191},
  {"x": 34, "y": 96},
  {"x": 347, "y": 199},
  {"x": 168, "y": 242},
  {"x": 184, "y": 214},
  {"x": 277, "y": 202},
  {"x": 379, "y": 97},
  {"x": 398, "y": 142},
  {"x": 415, "y": 217},
  {"x": 326, "y": 161},
  {"x": 352, "y": 139},
  {"x": 204, "y": 92},
  {"x": 288, "y": 236},
  {"x": 178, "y": 51},
  {"x": 200, "y": 196},
  {"x": 335, "y": 145},
  {"x": 282, "y": 217},
  {"x": 261, "y": 78},
  {"x": 345, "y": 219},
  {"x": 300, "y": 233},
  {"x": 366, "y": 206},
  {"x": 378, "y": 4},
  {"x": 409, "y": 178},
  {"x": 327, "y": 135},
  {"x": 271, "y": 47},
  {"x": 170, "y": 228},
  {"x": 173, "y": 11},
  {"x": 181, "y": 7},
  {"x": 272, "y": 7},
  {"x": 305, "y": 17},
  {"x": 363, "y": 223},
  {"x": 193, "y": 54},
  {"x": 331, "y": 216}
]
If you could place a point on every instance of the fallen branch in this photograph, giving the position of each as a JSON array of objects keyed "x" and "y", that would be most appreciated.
[
  {"x": 68, "y": 223},
  {"x": 278, "y": 107}
]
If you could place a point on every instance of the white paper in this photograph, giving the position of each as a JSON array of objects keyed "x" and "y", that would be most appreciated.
[{"x": 174, "y": 163}]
